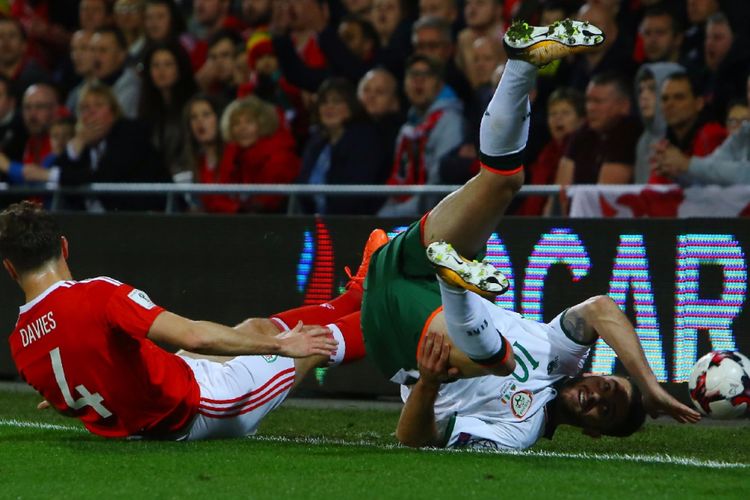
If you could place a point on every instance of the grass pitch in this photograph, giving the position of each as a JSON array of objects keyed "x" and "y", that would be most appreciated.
[{"x": 330, "y": 453}]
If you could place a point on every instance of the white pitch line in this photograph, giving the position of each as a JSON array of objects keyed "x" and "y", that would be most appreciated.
[{"x": 651, "y": 459}]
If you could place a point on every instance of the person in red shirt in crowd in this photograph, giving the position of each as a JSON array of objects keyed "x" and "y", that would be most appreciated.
[
  {"x": 565, "y": 115},
  {"x": 15, "y": 63},
  {"x": 88, "y": 347},
  {"x": 686, "y": 129},
  {"x": 260, "y": 150},
  {"x": 48, "y": 25}
]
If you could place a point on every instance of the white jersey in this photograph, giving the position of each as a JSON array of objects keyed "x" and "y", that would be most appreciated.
[{"x": 509, "y": 412}]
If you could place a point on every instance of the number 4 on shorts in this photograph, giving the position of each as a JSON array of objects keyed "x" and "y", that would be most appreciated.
[{"x": 88, "y": 399}]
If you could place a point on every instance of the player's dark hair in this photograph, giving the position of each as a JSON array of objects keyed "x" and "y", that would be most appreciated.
[
  {"x": 635, "y": 418},
  {"x": 29, "y": 236}
]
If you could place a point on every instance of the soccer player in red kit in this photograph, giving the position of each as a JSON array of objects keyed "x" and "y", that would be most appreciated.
[{"x": 88, "y": 347}]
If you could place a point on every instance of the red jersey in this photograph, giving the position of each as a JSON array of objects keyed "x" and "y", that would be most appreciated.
[{"x": 82, "y": 345}]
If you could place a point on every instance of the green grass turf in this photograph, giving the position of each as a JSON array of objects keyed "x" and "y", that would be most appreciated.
[{"x": 358, "y": 460}]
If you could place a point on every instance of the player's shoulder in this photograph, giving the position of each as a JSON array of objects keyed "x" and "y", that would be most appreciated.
[{"x": 101, "y": 282}]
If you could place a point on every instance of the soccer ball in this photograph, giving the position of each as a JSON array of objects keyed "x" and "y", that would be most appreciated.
[{"x": 720, "y": 385}]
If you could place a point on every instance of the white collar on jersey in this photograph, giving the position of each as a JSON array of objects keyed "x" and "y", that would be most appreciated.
[{"x": 44, "y": 294}]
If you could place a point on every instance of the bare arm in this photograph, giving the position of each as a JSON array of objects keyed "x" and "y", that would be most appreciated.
[
  {"x": 416, "y": 425},
  {"x": 205, "y": 337},
  {"x": 600, "y": 316},
  {"x": 615, "y": 173}
]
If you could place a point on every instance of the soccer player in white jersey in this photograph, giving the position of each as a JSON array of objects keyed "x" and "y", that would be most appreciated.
[{"x": 517, "y": 377}]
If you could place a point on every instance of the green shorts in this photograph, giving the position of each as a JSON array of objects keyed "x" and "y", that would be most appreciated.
[{"x": 401, "y": 294}]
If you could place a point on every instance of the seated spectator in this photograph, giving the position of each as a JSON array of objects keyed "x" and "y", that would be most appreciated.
[
  {"x": 615, "y": 54},
  {"x": 82, "y": 56},
  {"x": 649, "y": 81},
  {"x": 483, "y": 20},
  {"x": 565, "y": 115},
  {"x": 447, "y": 10},
  {"x": 698, "y": 12},
  {"x": 216, "y": 77},
  {"x": 394, "y": 32},
  {"x": 167, "y": 86},
  {"x": 212, "y": 16},
  {"x": 61, "y": 132},
  {"x": 603, "y": 150},
  {"x": 13, "y": 133},
  {"x": 204, "y": 154},
  {"x": 267, "y": 82},
  {"x": 260, "y": 149},
  {"x": 738, "y": 112},
  {"x": 110, "y": 67},
  {"x": 687, "y": 127},
  {"x": 15, "y": 64},
  {"x": 40, "y": 108},
  {"x": 256, "y": 15},
  {"x": 48, "y": 26},
  {"x": 483, "y": 58},
  {"x": 661, "y": 33},
  {"x": 431, "y": 37},
  {"x": 434, "y": 128},
  {"x": 129, "y": 18},
  {"x": 107, "y": 148},
  {"x": 378, "y": 94},
  {"x": 94, "y": 14},
  {"x": 163, "y": 22},
  {"x": 335, "y": 154}
]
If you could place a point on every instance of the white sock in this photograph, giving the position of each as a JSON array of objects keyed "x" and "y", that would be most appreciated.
[
  {"x": 505, "y": 124},
  {"x": 337, "y": 357},
  {"x": 470, "y": 326}
]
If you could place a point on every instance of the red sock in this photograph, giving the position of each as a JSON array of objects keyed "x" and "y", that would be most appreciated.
[
  {"x": 322, "y": 314},
  {"x": 348, "y": 331}
]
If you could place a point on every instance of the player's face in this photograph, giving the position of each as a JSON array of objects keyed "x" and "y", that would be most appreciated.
[
  {"x": 203, "y": 122},
  {"x": 596, "y": 403}
]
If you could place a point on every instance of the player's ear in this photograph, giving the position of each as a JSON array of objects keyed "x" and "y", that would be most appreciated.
[
  {"x": 592, "y": 433},
  {"x": 64, "y": 247},
  {"x": 11, "y": 270}
]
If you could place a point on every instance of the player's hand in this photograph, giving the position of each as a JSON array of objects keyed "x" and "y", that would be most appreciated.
[
  {"x": 657, "y": 401},
  {"x": 433, "y": 360},
  {"x": 307, "y": 340},
  {"x": 44, "y": 405}
]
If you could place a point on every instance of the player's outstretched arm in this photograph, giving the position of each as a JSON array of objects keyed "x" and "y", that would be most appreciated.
[
  {"x": 416, "y": 425},
  {"x": 204, "y": 337},
  {"x": 600, "y": 316}
]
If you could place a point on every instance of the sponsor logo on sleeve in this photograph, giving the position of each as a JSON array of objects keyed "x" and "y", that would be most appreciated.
[
  {"x": 270, "y": 358},
  {"x": 520, "y": 402},
  {"x": 141, "y": 299}
]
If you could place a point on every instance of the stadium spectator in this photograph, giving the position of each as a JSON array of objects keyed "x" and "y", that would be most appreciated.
[
  {"x": 167, "y": 85},
  {"x": 129, "y": 17},
  {"x": 216, "y": 77},
  {"x": 358, "y": 7},
  {"x": 378, "y": 94},
  {"x": 615, "y": 54},
  {"x": 434, "y": 128},
  {"x": 738, "y": 112},
  {"x": 134, "y": 387},
  {"x": 483, "y": 19},
  {"x": 260, "y": 150},
  {"x": 698, "y": 12},
  {"x": 333, "y": 154},
  {"x": 204, "y": 153},
  {"x": 256, "y": 15},
  {"x": 94, "y": 14},
  {"x": 687, "y": 127},
  {"x": 603, "y": 150},
  {"x": 394, "y": 32},
  {"x": 15, "y": 64},
  {"x": 212, "y": 16},
  {"x": 82, "y": 56},
  {"x": 110, "y": 67},
  {"x": 662, "y": 35},
  {"x": 48, "y": 25},
  {"x": 40, "y": 108},
  {"x": 360, "y": 38},
  {"x": 447, "y": 10},
  {"x": 295, "y": 25},
  {"x": 107, "y": 147},
  {"x": 431, "y": 37},
  {"x": 726, "y": 63},
  {"x": 565, "y": 114},
  {"x": 484, "y": 56},
  {"x": 13, "y": 133},
  {"x": 648, "y": 84},
  {"x": 164, "y": 22}
]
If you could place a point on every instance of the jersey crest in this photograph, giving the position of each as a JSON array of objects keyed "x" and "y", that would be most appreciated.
[{"x": 520, "y": 402}]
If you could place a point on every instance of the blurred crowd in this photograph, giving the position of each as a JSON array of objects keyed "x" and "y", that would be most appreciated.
[{"x": 361, "y": 92}]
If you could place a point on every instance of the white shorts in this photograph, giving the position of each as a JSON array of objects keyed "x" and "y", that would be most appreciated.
[{"x": 237, "y": 395}]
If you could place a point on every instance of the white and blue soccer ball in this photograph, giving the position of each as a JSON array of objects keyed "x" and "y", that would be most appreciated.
[{"x": 720, "y": 385}]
